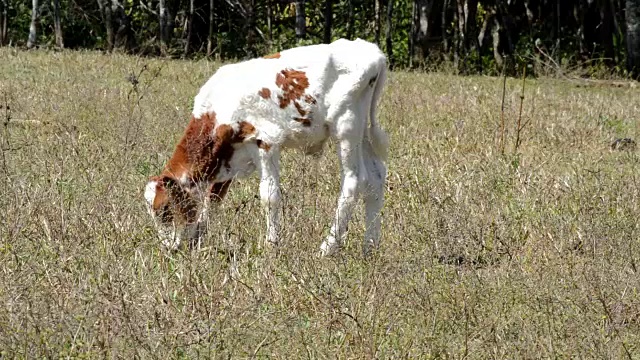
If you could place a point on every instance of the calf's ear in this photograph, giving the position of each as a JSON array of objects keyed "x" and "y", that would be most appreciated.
[{"x": 166, "y": 182}]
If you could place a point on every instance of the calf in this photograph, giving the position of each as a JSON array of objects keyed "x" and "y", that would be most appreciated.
[{"x": 246, "y": 113}]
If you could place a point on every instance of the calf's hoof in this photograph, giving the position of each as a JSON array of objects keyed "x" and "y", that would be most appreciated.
[{"x": 329, "y": 247}]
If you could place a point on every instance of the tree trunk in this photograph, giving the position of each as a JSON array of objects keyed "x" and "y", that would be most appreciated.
[
  {"x": 173, "y": 7},
  {"x": 251, "y": 29},
  {"x": 421, "y": 32},
  {"x": 458, "y": 33},
  {"x": 105, "y": 10},
  {"x": 189, "y": 28},
  {"x": 301, "y": 20},
  {"x": 632, "y": 16},
  {"x": 350, "y": 19},
  {"x": 123, "y": 34},
  {"x": 471, "y": 44},
  {"x": 445, "y": 37},
  {"x": 412, "y": 32},
  {"x": 269, "y": 28},
  {"x": 495, "y": 34},
  {"x": 328, "y": 21},
  {"x": 162, "y": 19},
  {"x": 578, "y": 15},
  {"x": 486, "y": 27},
  {"x": 617, "y": 10},
  {"x": 529, "y": 12},
  {"x": 378, "y": 10},
  {"x": 470, "y": 25},
  {"x": 57, "y": 24},
  {"x": 509, "y": 30},
  {"x": 210, "y": 39},
  {"x": 557, "y": 25},
  {"x": 616, "y": 22},
  {"x": 4, "y": 20},
  {"x": 389, "y": 43},
  {"x": 606, "y": 30},
  {"x": 31, "y": 42}
]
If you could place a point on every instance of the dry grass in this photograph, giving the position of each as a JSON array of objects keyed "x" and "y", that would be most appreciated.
[{"x": 525, "y": 255}]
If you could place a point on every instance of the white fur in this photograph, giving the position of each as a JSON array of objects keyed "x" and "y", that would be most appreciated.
[
  {"x": 346, "y": 79},
  {"x": 150, "y": 194}
]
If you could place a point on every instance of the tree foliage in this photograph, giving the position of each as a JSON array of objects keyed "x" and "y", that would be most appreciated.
[{"x": 473, "y": 35}]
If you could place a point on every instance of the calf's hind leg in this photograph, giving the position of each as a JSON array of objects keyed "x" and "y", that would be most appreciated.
[
  {"x": 353, "y": 179},
  {"x": 373, "y": 197}
]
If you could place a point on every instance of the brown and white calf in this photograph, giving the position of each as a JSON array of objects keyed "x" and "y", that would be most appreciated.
[{"x": 246, "y": 113}]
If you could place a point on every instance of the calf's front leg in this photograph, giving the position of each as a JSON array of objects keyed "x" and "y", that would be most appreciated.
[
  {"x": 215, "y": 195},
  {"x": 270, "y": 195}
]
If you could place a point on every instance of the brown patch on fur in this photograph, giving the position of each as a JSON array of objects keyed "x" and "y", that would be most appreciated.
[
  {"x": 246, "y": 130},
  {"x": 310, "y": 99},
  {"x": 303, "y": 121},
  {"x": 193, "y": 147},
  {"x": 265, "y": 93},
  {"x": 293, "y": 84},
  {"x": 263, "y": 145},
  {"x": 203, "y": 151},
  {"x": 272, "y": 56},
  {"x": 301, "y": 111}
]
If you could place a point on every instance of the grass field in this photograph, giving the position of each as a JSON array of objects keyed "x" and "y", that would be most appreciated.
[{"x": 529, "y": 254}]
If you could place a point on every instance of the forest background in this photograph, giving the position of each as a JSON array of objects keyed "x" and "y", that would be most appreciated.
[{"x": 595, "y": 38}]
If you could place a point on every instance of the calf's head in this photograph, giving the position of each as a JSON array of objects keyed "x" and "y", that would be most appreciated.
[
  {"x": 175, "y": 209},
  {"x": 206, "y": 159}
]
